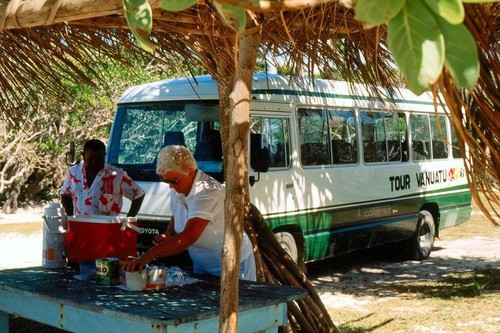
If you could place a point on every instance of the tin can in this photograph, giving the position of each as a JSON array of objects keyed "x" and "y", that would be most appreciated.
[{"x": 107, "y": 271}]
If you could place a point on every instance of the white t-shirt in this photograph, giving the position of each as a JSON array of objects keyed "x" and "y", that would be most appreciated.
[{"x": 206, "y": 201}]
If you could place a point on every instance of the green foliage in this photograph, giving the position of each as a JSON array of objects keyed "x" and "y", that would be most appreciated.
[
  {"x": 140, "y": 21},
  {"x": 450, "y": 10},
  {"x": 377, "y": 12},
  {"x": 234, "y": 17},
  {"x": 424, "y": 36},
  {"x": 461, "y": 58},
  {"x": 40, "y": 135},
  {"x": 417, "y": 45}
]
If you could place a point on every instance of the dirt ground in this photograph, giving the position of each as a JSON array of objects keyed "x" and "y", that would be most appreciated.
[{"x": 369, "y": 291}]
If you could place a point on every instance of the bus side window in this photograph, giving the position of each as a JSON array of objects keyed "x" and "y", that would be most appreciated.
[
  {"x": 374, "y": 137},
  {"x": 313, "y": 153},
  {"x": 343, "y": 133},
  {"x": 455, "y": 144},
  {"x": 420, "y": 151},
  {"x": 420, "y": 134},
  {"x": 439, "y": 133},
  {"x": 342, "y": 152},
  {"x": 313, "y": 136},
  {"x": 275, "y": 133}
]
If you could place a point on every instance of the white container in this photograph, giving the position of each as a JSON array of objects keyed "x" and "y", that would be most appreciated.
[
  {"x": 54, "y": 238},
  {"x": 136, "y": 281}
]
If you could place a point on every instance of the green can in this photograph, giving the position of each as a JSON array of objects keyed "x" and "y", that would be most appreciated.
[{"x": 107, "y": 271}]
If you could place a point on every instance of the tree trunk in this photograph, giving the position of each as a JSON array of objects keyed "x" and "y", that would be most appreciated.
[{"x": 237, "y": 197}]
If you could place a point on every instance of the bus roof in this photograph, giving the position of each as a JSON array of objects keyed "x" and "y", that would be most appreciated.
[{"x": 270, "y": 87}]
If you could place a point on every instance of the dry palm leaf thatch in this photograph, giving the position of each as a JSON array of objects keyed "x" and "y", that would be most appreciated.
[
  {"x": 476, "y": 114},
  {"x": 47, "y": 57},
  {"x": 325, "y": 36}
]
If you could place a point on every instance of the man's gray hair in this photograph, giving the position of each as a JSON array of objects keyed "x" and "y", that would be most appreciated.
[{"x": 175, "y": 158}]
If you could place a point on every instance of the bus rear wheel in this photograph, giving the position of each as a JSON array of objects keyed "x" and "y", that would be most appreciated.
[
  {"x": 421, "y": 243},
  {"x": 287, "y": 242}
]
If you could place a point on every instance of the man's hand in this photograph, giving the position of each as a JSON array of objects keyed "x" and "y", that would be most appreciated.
[
  {"x": 159, "y": 239},
  {"x": 135, "y": 264}
]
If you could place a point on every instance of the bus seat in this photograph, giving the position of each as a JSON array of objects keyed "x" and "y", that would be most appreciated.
[
  {"x": 342, "y": 152},
  {"x": 174, "y": 138},
  {"x": 394, "y": 147},
  {"x": 210, "y": 147},
  {"x": 313, "y": 153},
  {"x": 420, "y": 151},
  {"x": 439, "y": 149},
  {"x": 259, "y": 152},
  {"x": 375, "y": 151}
]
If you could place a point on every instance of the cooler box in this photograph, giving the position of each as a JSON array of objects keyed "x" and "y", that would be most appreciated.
[{"x": 96, "y": 236}]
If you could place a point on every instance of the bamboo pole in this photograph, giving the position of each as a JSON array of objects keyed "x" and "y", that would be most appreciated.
[
  {"x": 312, "y": 316},
  {"x": 17, "y": 14}
]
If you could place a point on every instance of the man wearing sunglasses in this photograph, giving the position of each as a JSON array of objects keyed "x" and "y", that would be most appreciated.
[{"x": 197, "y": 223}]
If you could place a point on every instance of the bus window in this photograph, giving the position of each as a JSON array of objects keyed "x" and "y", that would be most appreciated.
[
  {"x": 374, "y": 139},
  {"x": 343, "y": 137},
  {"x": 145, "y": 132},
  {"x": 313, "y": 137},
  {"x": 395, "y": 126},
  {"x": 455, "y": 144},
  {"x": 439, "y": 137},
  {"x": 275, "y": 134},
  {"x": 420, "y": 135},
  {"x": 140, "y": 147}
]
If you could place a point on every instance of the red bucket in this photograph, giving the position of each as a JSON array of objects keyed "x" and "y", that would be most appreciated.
[{"x": 95, "y": 236}]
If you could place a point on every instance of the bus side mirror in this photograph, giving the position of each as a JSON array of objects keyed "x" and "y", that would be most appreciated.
[{"x": 259, "y": 157}]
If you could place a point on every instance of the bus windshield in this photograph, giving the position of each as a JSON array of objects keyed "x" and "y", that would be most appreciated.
[{"x": 140, "y": 131}]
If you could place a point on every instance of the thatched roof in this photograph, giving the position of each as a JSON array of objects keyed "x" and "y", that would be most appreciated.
[{"x": 43, "y": 40}]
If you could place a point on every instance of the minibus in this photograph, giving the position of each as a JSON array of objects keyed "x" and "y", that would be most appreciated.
[{"x": 334, "y": 166}]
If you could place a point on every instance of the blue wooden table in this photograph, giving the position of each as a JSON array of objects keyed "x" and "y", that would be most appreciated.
[{"x": 54, "y": 297}]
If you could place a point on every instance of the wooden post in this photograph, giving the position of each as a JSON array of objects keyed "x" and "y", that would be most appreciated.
[{"x": 237, "y": 196}]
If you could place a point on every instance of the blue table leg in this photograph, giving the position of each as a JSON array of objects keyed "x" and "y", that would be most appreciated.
[{"x": 4, "y": 322}]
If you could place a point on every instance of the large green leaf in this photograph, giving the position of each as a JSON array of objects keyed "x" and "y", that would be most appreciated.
[
  {"x": 235, "y": 17},
  {"x": 451, "y": 10},
  {"x": 177, "y": 5},
  {"x": 417, "y": 44},
  {"x": 376, "y": 12},
  {"x": 140, "y": 21},
  {"x": 461, "y": 57}
]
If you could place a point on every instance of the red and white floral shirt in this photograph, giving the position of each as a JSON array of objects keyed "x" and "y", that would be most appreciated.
[{"x": 105, "y": 196}]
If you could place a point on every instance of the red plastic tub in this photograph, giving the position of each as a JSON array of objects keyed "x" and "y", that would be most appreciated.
[{"x": 95, "y": 236}]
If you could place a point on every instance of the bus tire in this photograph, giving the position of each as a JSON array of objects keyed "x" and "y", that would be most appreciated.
[
  {"x": 288, "y": 243},
  {"x": 423, "y": 239}
]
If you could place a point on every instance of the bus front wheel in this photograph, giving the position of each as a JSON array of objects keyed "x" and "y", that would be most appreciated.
[
  {"x": 422, "y": 241},
  {"x": 287, "y": 242}
]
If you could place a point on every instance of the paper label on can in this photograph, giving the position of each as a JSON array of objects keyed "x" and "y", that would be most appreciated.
[{"x": 107, "y": 271}]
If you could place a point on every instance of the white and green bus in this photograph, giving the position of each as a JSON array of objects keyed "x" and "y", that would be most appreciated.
[{"x": 333, "y": 168}]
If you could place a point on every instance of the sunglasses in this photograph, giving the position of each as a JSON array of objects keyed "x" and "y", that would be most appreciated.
[{"x": 172, "y": 181}]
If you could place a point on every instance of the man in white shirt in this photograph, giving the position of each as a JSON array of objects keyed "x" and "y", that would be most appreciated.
[{"x": 197, "y": 223}]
